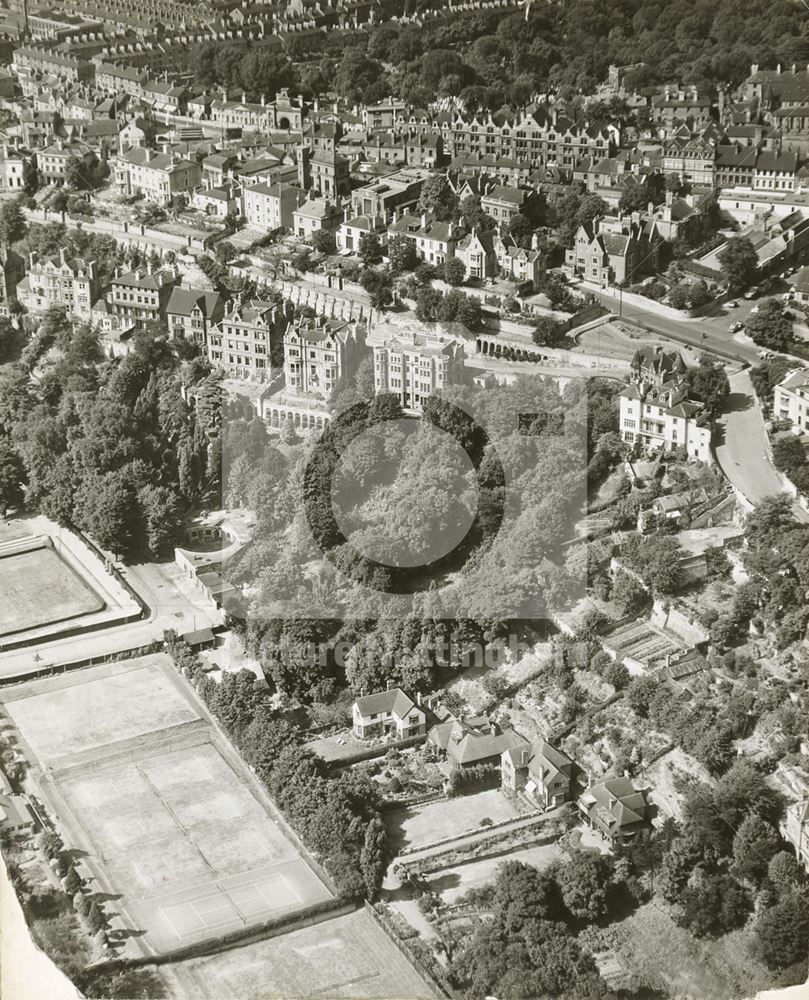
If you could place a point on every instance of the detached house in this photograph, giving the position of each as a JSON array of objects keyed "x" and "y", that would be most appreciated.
[
  {"x": 472, "y": 742},
  {"x": 654, "y": 411},
  {"x": 502, "y": 202},
  {"x": 388, "y": 714},
  {"x": 615, "y": 251},
  {"x": 476, "y": 252},
  {"x": 791, "y": 399},
  {"x": 518, "y": 264},
  {"x": 313, "y": 216},
  {"x": 436, "y": 241},
  {"x": 616, "y": 810},
  {"x": 540, "y": 771},
  {"x": 157, "y": 176}
]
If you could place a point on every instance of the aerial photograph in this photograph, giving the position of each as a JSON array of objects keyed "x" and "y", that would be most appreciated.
[{"x": 404, "y": 499}]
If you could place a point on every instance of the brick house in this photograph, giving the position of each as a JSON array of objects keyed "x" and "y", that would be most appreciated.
[
  {"x": 191, "y": 312},
  {"x": 654, "y": 410},
  {"x": 617, "y": 810},
  {"x": 540, "y": 771},
  {"x": 388, "y": 713}
]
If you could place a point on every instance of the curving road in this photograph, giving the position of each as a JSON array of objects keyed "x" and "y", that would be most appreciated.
[{"x": 742, "y": 446}]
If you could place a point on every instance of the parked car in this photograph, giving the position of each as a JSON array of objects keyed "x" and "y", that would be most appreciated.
[
  {"x": 735, "y": 327},
  {"x": 733, "y": 304},
  {"x": 787, "y": 296},
  {"x": 764, "y": 355},
  {"x": 751, "y": 293}
]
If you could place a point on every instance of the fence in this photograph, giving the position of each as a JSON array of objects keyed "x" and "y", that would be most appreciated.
[
  {"x": 315, "y": 914},
  {"x": 50, "y": 669},
  {"x": 406, "y": 951}
]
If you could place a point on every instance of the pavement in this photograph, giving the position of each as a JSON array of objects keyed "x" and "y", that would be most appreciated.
[
  {"x": 742, "y": 448},
  {"x": 710, "y": 332}
]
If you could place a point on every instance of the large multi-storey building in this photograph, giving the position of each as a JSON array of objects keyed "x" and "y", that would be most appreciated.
[
  {"x": 60, "y": 281},
  {"x": 415, "y": 364},
  {"x": 655, "y": 411},
  {"x": 320, "y": 167},
  {"x": 137, "y": 298},
  {"x": 271, "y": 206},
  {"x": 241, "y": 343},
  {"x": 158, "y": 177},
  {"x": 540, "y": 135},
  {"x": 318, "y": 352}
]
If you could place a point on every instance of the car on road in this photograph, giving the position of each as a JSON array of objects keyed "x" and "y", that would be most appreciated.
[
  {"x": 733, "y": 304},
  {"x": 735, "y": 327},
  {"x": 764, "y": 355}
]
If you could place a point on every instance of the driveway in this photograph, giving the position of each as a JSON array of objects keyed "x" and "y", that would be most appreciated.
[{"x": 742, "y": 448}]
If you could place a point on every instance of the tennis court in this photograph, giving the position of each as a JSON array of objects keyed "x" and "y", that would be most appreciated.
[
  {"x": 142, "y": 782},
  {"x": 191, "y": 849},
  {"x": 61, "y": 716}
]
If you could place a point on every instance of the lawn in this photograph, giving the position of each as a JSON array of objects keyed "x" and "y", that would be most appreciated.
[
  {"x": 347, "y": 956},
  {"x": 39, "y": 588},
  {"x": 435, "y": 821}
]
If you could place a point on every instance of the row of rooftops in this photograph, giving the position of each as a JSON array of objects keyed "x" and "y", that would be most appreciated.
[{"x": 614, "y": 803}]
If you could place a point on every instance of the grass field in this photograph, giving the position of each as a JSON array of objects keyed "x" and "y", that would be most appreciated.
[
  {"x": 162, "y": 809},
  {"x": 346, "y": 956},
  {"x": 434, "y": 821},
  {"x": 39, "y": 588},
  {"x": 94, "y": 708}
]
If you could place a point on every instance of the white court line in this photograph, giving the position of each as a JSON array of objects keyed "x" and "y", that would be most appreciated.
[
  {"x": 224, "y": 904},
  {"x": 170, "y": 922},
  {"x": 289, "y": 886}
]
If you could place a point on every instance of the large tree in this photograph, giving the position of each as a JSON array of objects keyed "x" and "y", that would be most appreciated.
[
  {"x": 770, "y": 326},
  {"x": 13, "y": 224},
  {"x": 739, "y": 262},
  {"x": 438, "y": 199}
]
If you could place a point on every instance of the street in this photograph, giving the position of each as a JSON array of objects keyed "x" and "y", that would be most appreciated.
[
  {"x": 742, "y": 449},
  {"x": 705, "y": 333}
]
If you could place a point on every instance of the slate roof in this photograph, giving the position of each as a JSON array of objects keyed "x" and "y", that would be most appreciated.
[
  {"x": 394, "y": 701},
  {"x": 615, "y": 804},
  {"x": 183, "y": 300}
]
